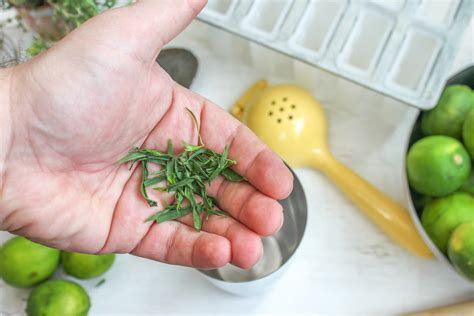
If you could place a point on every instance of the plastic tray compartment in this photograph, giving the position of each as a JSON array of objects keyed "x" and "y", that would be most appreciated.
[
  {"x": 438, "y": 12},
  {"x": 266, "y": 16},
  {"x": 366, "y": 41},
  {"x": 393, "y": 5},
  {"x": 317, "y": 25},
  {"x": 220, "y": 9},
  {"x": 414, "y": 62}
]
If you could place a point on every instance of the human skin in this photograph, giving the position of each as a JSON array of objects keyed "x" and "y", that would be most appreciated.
[{"x": 67, "y": 116}]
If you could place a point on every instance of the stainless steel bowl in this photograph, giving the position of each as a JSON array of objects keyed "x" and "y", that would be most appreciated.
[
  {"x": 278, "y": 250},
  {"x": 465, "y": 77}
]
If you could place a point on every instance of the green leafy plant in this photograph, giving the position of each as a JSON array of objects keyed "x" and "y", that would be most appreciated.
[
  {"x": 26, "y": 3},
  {"x": 185, "y": 175},
  {"x": 66, "y": 15},
  {"x": 39, "y": 45}
]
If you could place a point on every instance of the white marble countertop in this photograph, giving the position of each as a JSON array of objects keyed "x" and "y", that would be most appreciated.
[{"x": 345, "y": 265}]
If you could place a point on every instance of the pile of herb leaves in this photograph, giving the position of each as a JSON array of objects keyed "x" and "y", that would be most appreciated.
[{"x": 186, "y": 175}]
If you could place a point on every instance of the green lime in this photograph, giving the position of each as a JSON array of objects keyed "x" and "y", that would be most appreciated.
[
  {"x": 58, "y": 298},
  {"x": 85, "y": 266},
  {"x": 24, "y": 263},
  {"x": 437, "y": 165},
  {"x": 461, "y": 249},
  {"x": 448, "y": 116},
  {"x": 441, "y": 216},
  {"x": 468, "y": 185},
  {"x": 468, "y": 133}
]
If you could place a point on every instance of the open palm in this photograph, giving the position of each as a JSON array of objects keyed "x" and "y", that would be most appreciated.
[{"x": 82, "y": 105}]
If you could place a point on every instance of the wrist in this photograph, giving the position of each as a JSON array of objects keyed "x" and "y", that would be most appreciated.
[{"x": 5, "y": 123}]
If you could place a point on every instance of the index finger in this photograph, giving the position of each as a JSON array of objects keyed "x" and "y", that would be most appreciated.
[{"x": 255, "y": 160}]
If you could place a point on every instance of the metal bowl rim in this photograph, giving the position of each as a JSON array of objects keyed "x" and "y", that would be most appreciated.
[{"x": 305, "y": 208}]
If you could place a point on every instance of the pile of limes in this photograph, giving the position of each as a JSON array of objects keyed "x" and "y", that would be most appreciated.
[
  {"x": 24, "y": 263},
  {"x": 440, "y": 169}
]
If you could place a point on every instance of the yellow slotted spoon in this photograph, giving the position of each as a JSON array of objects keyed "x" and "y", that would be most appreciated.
[{"x": 292, "y": 122}]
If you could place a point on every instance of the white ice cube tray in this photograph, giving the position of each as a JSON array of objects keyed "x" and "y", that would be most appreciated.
[{"x": 400, "y": 48}]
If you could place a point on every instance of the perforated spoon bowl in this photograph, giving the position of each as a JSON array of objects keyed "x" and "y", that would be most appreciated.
[{"x": 292, "y": 122}]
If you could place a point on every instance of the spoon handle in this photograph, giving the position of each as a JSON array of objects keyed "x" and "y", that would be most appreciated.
[{"x": 382, "y": 210}]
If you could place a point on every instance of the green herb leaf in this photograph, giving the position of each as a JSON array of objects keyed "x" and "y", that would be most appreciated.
[
  {"x": 154, "y": 153},
  {"x": 197, "y": 217},
  {"x": 170, "y": 214},
  {"x": 132, "y": 156},
  {"x": 180, "y": 184},
  {"x": 190, "y": 148},
  {"x": 143, "y": 187},
  {"x": 186, "y": 175},
  {"x": 169, "y": 172},
  {"x": 160, "y": 189},
  {"x": 197, "y": 153},
  {"x": 215, "y": 211},
  {"x": 155, "y": 180},
  {"x": 232, "y": 176},
  {"x": 178, "y": 200},
  {"x": 170, "y": 148},
  {"x": 223, "y": 159}
]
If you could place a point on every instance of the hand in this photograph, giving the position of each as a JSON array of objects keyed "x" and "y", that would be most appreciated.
[{"x": 76, "y": 109}]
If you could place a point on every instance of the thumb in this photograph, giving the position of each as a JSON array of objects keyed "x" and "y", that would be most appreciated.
[
  {"x": 166, "y": 18},
  {"x": 143, "y": 28}
]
